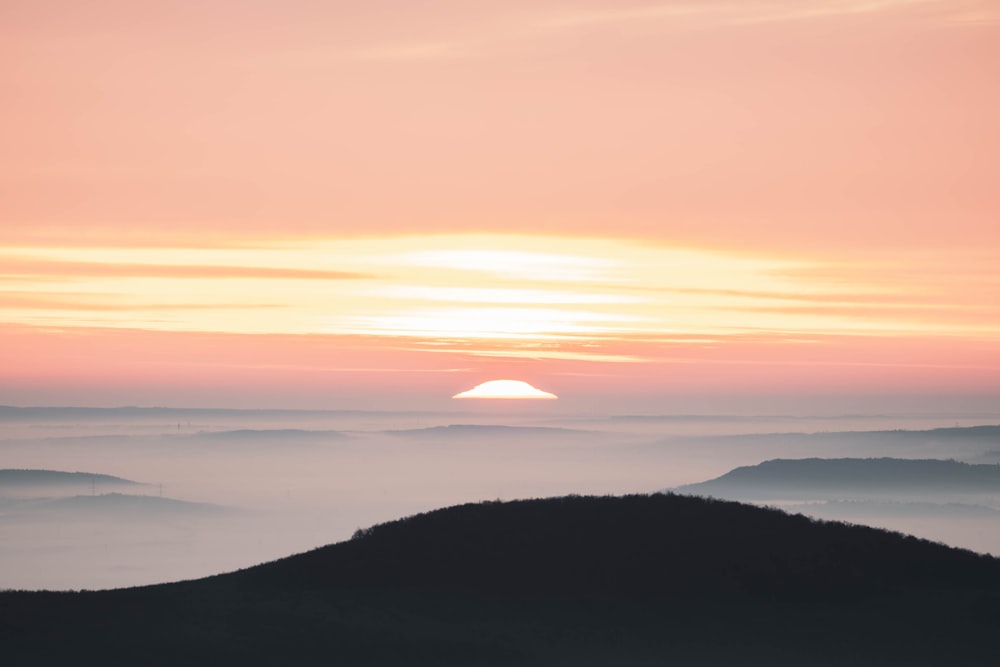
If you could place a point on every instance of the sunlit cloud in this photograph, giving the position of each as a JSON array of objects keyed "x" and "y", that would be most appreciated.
[
  {"x": 484, "y": 295},
  {"x": 79, "y": 302},
  {"x": 727, "y": 12},
  {"x": 519, "y": 296},
  {"x": 15, "y": 267},
  {"x": 477, "y": 322},
  {"x": 495, "y": 37},
  {"x": 583, "y": 354},
  {"x": 515, "y": 264}
]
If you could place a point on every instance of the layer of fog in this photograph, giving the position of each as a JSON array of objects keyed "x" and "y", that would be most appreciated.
[{"x": 284, "y": 482}]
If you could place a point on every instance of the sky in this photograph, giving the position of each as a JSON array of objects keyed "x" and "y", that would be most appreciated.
[{"x": 657, "y": 206}]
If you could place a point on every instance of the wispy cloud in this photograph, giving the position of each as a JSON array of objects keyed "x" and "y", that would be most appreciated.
[
  {"x": 479, "y": 40},
  {"x": 14, "y": 267},
  {"x": 727, "y": 12},
  {"x": 104, "y": 303},
  {"x": 520, "y": 296}
]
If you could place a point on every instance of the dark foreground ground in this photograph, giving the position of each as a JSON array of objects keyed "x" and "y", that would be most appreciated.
[{"x": 637, "y": 580}]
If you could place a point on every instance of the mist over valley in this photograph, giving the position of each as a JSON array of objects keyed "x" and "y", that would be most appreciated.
[{"x": 199, "y": 492}]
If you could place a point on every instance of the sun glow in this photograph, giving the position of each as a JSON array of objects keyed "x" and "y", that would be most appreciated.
[
  {"x": 506, "y": 389},
  {"x": 602, "y": 299}
]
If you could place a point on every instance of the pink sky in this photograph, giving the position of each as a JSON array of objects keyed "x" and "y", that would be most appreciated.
[{"x": 296, "y": 202}]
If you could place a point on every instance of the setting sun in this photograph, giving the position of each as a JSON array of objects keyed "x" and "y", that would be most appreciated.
[{"x": 506, "y": 389}]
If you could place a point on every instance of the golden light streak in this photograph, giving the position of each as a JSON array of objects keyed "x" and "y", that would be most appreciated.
[
  {"x": 495, "y": 323},
  {"x": 503, "y": 291},
  {"x": 509, "y": 295},
  {"x": 518, "y": 265}
]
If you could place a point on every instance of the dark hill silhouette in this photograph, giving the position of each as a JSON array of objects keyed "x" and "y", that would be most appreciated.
[
  {"x": 29, "y": 477},
  {"x": 780, "y": 478},
  {"x": 636, "y": 580},
  {"x": 552, "y": 546}
]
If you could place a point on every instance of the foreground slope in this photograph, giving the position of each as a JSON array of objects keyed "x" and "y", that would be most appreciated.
[{"x": 638, "y": 580}]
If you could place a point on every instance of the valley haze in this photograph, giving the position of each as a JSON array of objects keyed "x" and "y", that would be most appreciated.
[{"x": 228, "y": 489}]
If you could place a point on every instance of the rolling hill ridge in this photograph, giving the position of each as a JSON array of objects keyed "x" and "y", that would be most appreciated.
[{"x": 634, "y": 580}]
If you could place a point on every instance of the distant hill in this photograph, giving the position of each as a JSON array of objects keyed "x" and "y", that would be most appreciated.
[
  {"x": 23, "y": 478},
  {"x": 296, "y": 435},
  {"x": 784, "y": 478},
  {"x": 624, "y": 581},
  {"x": 468, "y": 431},
  {"x": 120, "y": 505}
]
